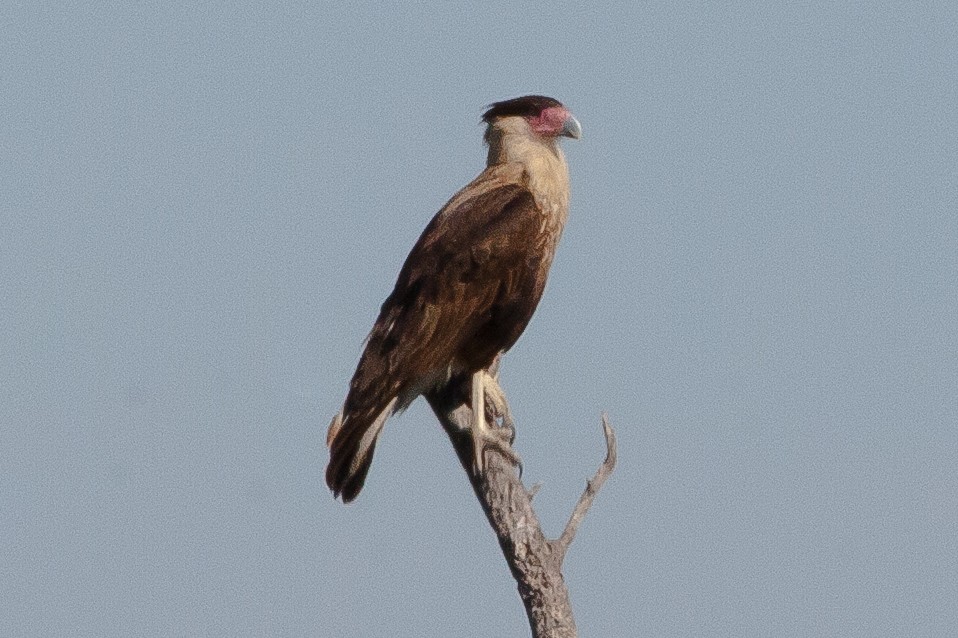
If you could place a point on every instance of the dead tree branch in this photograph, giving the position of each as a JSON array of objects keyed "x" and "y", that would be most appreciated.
[
  {"x": 535, "y": 561},
  {"x": 592, "y": 487}
]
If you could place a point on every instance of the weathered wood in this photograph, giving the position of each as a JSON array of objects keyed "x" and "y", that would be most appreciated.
[
  {"x": 592, "y": 487},
  {"x": 535, "y": 561}
]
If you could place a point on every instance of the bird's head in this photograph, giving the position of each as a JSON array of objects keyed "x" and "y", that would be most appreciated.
[{"x": 541, "y": 116}]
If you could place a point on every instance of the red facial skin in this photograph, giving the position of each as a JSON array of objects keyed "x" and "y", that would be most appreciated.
[{"x": 549, "y": 122}]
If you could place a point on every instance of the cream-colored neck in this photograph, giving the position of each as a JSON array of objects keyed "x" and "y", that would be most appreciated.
[{"x": 511, "y": 141}]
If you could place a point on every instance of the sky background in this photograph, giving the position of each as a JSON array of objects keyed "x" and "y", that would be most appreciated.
[{"x": 202, "y": 207}]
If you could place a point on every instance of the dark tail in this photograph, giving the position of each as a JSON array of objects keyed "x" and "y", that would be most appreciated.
[{"x": 352, "y": 440}]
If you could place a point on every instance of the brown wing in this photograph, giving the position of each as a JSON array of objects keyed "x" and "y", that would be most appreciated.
[{"x": 466, "y": 292}]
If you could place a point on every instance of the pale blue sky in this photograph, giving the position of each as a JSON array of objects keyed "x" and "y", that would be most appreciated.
[{"x": 203, "y": 207}]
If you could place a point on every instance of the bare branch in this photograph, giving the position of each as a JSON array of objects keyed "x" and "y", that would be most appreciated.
[
  {"x": 592, "y": 487},
  {"x": 535, "y": 562},
  {"x": 534, "y": 490}
]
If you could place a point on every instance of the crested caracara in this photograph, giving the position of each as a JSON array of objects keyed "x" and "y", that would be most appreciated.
[{"x": 467, "y": 290}]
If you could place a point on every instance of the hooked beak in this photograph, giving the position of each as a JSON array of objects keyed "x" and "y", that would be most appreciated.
[{"x": 571, "y": 128}]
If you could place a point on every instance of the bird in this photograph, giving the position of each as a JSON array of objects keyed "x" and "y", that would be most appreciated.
[{"x": 466, "y": 291}]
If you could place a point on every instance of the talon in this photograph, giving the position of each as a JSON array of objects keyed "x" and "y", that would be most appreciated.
[
  {"x": 484, "y": 435},
  {"x": 483, "y": 443},
  {"x": 497, "y": 407},
  {"x": 508, "y": 429}
]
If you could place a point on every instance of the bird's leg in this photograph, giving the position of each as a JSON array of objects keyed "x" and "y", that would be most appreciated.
[
  {"x": 484, "y": 436},
  {"x": 497, "y": 407}
]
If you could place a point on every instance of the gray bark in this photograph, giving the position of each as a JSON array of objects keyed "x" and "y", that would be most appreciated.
[{"x": 534, "y": 560}]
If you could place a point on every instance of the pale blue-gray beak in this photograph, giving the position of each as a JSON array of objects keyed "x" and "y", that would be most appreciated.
[{"x": 571, "y": 128}]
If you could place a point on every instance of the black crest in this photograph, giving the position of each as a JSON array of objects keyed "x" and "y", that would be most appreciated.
[{"x": 525, "y": 106}]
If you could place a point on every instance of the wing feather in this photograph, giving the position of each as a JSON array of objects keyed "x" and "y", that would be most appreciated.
[
  {"x": 476, "y": 273},
  {"x": 465, "y": 293}
]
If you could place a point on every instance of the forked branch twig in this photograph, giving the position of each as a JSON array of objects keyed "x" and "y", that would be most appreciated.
[
  {"x": 592, "y": 487},
  {"x": 535, "y": 561}
]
